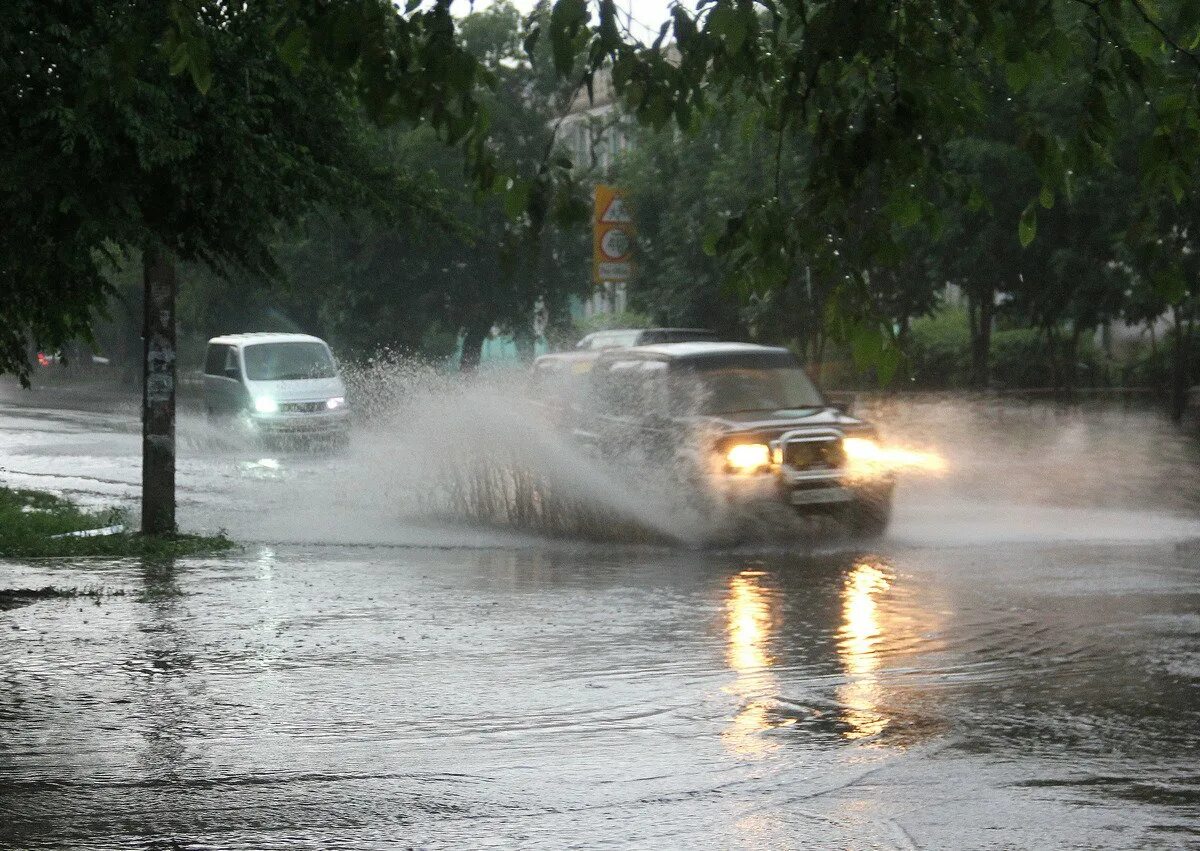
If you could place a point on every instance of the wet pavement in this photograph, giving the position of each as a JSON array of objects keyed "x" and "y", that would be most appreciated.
[{"x": 1008, "y": 668}]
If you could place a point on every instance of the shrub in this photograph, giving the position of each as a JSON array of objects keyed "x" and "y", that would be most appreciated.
[{"x": 939, "y": 350}]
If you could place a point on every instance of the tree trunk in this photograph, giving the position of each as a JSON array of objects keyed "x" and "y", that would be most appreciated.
[
  {"x": 1179, "y": 366},
  {"x": 817, "y": 359},
  {"x": 980, "y": 310},
  {"x": 1052, "y": 355},
  {"x": 1071, "y": 360},
  {"x": 472, "y": 348},
  {"x": 158, "y": 394}
]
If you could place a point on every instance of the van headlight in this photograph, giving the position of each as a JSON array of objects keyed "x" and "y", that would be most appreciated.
[
  {"x": 266, "y": 405},
  {"x": 335, "y": 403},
  {"x": 747, "y": 458}
]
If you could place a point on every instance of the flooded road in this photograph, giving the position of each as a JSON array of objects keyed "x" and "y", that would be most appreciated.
[{"x": 1011, "y": 667}]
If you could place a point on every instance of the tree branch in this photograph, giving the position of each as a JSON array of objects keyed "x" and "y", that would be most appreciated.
[{"x": 1174, "y": 45}]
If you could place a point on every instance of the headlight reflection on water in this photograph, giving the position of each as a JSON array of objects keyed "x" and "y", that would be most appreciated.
[
  {"x": 862, "y": 625},
  {"x": 750, "y": 624}
]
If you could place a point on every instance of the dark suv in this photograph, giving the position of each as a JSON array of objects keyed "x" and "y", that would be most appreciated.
[{"x": 767, "y": 431}]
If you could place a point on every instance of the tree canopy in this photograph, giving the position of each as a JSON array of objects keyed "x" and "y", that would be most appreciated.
[
  {"x": 206, "y": 127},
  {"x": 132, "y": 123}
]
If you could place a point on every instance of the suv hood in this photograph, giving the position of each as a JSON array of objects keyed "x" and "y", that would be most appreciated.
[
  {"x": 299, "y": 390},
  {"x": 783, "y": 419}
]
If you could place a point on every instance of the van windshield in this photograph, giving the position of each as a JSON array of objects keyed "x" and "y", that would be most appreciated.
[{"x": 288, "y": 361}]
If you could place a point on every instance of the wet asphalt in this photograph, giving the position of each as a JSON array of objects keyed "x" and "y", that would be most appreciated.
[{"x": 1016, "y": 665}]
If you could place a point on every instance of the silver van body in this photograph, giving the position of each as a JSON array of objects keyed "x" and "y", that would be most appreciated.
[{"x": 275, "y": 385}]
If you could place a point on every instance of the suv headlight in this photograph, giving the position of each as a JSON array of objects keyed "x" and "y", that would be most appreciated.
[
  {"x": 862, "y": 449},
  {"x": 748, "y": 458},
  {"x": 335, "y": 403},
  {"x": 266, "y": 405}
]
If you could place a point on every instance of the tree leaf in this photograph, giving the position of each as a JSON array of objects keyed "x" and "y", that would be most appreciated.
[
  {"x": 726, "y": 24},
  {"x": 293, "y": 47},
  {"x": 179, "y": 58},
  {"x": 566, "y": 18},
  {"x": 516, "y": 198},
  {"x": 1027, "y": 227},
  {"x": 904, "y": 208},
  {"x": 976, "y": 200},
  {"x": 200, "y": 70}
]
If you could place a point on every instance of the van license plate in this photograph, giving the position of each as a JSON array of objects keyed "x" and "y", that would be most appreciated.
[{"x": 824, "y": 496}]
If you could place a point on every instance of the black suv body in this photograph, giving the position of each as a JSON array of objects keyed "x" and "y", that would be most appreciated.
[{"x": 764, "y": 428}]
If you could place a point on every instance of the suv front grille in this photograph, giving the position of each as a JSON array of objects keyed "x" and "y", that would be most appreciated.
[
  {"x": 823, "y": 453},
  {"x": 301, "y": 407}
]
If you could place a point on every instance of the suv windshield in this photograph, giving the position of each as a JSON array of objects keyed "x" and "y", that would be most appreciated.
[
  {"x": 288, "y": 361},
  {"x": 730, "y": 389}
]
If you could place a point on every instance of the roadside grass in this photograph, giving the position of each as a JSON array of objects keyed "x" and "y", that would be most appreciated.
[{"x": 30, "y": 520}]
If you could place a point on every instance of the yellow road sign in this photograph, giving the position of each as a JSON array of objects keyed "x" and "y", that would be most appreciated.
[{"x": 613, "y": 235}]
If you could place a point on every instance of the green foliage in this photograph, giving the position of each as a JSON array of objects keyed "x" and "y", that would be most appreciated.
[
  {"x": 410, "y": 269},
  {"x": 1150, "y": 366},
  {"x": 871, "y": 128},
  {"x": 689, "y": 185},
  {"x": 1020, "y": 359},
  {"x": 112, "y": 149},
  {"x": 30, "y": 520},
  {"x": 881, "y": 95},
  {"x": 939, "y": 346},
  {"x": 938, "y": 350},
  {"x": 681, "y": 189}
]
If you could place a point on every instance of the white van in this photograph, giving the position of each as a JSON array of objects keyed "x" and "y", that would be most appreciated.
[{"x": 276, "y": 384}]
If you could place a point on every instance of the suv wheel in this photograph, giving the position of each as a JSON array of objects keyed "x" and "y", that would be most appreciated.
[{"x": 868, "y": 517}]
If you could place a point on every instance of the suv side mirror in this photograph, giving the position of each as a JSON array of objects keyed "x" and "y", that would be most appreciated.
[{"x": 232, "y": 372}]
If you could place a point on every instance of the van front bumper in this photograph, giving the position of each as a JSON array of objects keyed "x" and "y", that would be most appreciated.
[{"x": 332, "y": 423}]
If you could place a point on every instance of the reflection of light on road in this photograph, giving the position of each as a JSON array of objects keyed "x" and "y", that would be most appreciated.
[
  {"x": 861, "y": 627},
  {"x": 266, "y": 562},
  {"x": 263, "y": 468},
  {"x": 749, "y": 619},
  {"x": 749, "y": 624}
]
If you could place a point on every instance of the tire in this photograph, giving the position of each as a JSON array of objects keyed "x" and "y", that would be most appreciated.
[{"x": 869, "y": 516}]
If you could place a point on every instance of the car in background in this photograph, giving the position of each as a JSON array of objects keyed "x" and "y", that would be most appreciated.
[
  {"x": 579, "y": 360},
  {"x": 768, "y": 432},
  {"x": 275, "y": 385},
  {"x": 618, "y": 338}
]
